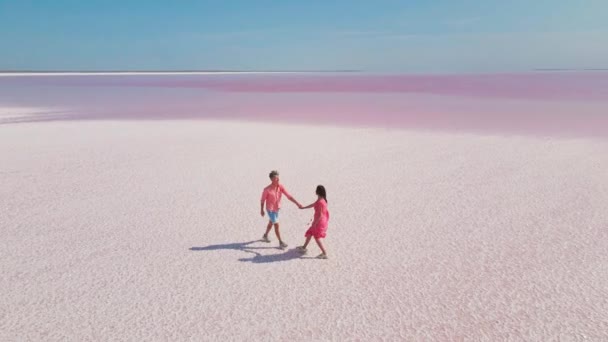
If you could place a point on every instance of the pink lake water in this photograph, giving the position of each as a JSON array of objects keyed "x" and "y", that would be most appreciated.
[{"x": 568, "y": 104}]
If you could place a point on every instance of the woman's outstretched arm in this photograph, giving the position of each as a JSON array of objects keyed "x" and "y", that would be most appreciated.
[{"x": 309, "y": 206}]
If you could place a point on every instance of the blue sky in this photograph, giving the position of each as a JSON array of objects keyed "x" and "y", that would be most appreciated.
[{"x": 409, "y": 36}]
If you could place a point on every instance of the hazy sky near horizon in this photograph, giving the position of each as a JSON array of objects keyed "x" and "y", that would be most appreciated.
[{"x": 407, "y": 36}]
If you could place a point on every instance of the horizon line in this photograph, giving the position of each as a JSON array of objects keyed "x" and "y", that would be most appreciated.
[{"x": 9, "y": 73}]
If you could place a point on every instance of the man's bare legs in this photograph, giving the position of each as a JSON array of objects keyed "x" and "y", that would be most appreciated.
[
  {"x": 278, "y": 233},
  {"x": 268, "y": 228}
]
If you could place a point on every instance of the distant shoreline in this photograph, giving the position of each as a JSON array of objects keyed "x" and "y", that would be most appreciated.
[
  {"x": 564, "y": 69},
  {"x": 153, "y": 72},
  {"x": 14, "y": 73}
]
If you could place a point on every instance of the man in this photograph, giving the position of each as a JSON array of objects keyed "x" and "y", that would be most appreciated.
[{"x": 271, "y": 196}]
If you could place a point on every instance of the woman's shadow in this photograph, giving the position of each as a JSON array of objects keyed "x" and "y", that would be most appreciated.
[{"x": 257, "y": 257}]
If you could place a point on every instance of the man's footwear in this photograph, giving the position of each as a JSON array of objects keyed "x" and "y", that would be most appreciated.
[
  {"x": 282, "y": 244},
  {"x": 301, "y": 249},
  {"x": 265, "y": 238},
  {"x": 322, "y": 256}
]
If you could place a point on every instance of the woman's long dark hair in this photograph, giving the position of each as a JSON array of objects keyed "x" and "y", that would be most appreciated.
[{"x": 321, "y": 192}]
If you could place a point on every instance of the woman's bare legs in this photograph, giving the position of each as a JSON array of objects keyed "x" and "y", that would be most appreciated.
[
  {"x": 318, "y": 241},
  {"x": 307, "y": 241}
]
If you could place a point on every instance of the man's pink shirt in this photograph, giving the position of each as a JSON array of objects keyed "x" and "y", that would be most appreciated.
[{"x": 272, "y": 197}]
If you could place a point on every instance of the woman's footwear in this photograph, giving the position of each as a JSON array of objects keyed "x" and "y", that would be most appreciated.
[
  {"x": 282, "y": 244},
  {"x": 301, "y": 249},
  {"x": 265, "y": 238},
  {"x": 322, "y": 256}
]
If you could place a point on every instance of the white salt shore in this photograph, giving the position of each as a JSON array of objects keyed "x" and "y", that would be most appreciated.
[
  {"x": 148, "y": 230},
  {"x": 17, "y": 113}
]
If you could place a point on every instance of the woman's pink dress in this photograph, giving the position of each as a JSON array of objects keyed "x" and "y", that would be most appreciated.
[{"x": 319, "y": 229}]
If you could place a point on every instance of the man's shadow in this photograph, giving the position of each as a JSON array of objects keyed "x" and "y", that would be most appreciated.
[{"x": 257, "y": 257}]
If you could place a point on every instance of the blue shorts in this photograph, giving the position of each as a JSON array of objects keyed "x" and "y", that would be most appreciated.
[{"x": 273, "y": 216}]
